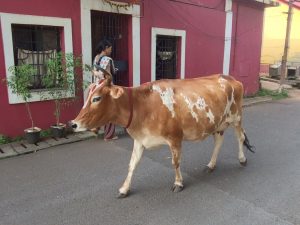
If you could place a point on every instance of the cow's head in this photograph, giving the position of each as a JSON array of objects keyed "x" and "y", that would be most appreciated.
[{"x": 100, "y": 107}]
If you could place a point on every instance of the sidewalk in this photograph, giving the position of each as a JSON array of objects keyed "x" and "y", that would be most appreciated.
[{"x": 22, "y": 147}]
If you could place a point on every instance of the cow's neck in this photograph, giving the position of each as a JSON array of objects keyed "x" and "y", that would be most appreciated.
[{"x": 125, "y": 108}]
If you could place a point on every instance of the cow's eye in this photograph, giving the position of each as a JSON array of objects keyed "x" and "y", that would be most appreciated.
[{"x": 96, "y": 99}]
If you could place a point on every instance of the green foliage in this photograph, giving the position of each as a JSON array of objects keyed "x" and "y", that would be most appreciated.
[
  {"x": 276, "y": 95},
  {"x": 18, "y": 138},
  {"x": 45, "y": 133},
  {"x": 20, "y": 83},
  {"x": 62, "y": 81},
  {"x": 4, "y": 139}
]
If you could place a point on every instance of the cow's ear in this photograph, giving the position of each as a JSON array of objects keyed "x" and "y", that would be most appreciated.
[{"x": 116, "y": 92}]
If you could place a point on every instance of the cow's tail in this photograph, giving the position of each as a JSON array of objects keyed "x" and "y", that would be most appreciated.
[{"x": 251, "y": 148}]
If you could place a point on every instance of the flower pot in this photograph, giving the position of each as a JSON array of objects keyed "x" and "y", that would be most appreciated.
[
  {"x": 58, "y": 130},
  {"x": 32, "y": 135}
]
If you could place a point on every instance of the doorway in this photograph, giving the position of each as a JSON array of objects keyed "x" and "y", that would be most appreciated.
[{"x": 113, "y": 27}]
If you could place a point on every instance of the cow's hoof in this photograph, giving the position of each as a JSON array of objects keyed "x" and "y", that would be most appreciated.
[
  {"x": 244, "y": 163},
  {"x": 177, "y": 188},
  {"x": 123, "y": 195},
  {"x": 207, "y": 169}
]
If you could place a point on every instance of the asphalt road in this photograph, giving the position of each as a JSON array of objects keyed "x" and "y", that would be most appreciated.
[{"x": 77, "y": 184}]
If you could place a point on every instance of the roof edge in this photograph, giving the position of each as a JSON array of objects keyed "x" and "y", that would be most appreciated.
[
  {"x": 286, "y": 3},
  {"x": 268, "y": 3}
]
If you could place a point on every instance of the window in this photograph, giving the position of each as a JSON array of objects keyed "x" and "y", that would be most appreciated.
[
  {"x": 167, "y": 53},
  {"x": 34, "y": 45},
  {"x": 166, "y": 57},
  {"x": 10, "y": 21}
]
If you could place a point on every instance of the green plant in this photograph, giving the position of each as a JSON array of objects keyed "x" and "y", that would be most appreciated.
[
  {"x": 17, "y": 138},
  {"x": 4, "y": 139},
  {"x": 45, "y": 133},
  {"x": 20, "y": 82},
  {"x": 274, "y": 94},
  {"x": 62, "y": 81}
]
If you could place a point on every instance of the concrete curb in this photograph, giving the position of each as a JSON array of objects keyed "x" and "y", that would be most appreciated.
[
  {"x": 256, "y": 100},
  {"x": 22, "y": 147}
]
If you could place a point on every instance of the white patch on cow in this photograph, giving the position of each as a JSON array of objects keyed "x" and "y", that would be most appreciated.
[
  {"x": 190, "y": 105},
  {"x": 210, "y": 116},
  {"x": 222, "y": 83},
  {"x": 233, "y": 118},
  {"x": 166, "y": 97},
  {"x": 229, "y": 103},
  {"x": 201, "y": 105}
]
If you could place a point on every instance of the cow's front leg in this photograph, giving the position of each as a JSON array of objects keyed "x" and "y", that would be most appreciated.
[
  {"x": 176, "y": 156},
  {"x": 137, "y": 152}
]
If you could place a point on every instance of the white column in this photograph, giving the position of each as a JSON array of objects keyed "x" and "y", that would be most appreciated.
[
  {"x": 228, "y": 37},
  {"x": 136, "y": 70}
]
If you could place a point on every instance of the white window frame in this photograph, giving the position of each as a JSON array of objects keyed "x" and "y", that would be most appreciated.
[
  {"x": 86, "y": 32},
  {"x": 170, "y": 32},
  {"x": 7, "y": 19}
]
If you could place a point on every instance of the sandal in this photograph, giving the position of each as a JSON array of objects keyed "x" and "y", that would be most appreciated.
[{"x": 110, "y": 139}]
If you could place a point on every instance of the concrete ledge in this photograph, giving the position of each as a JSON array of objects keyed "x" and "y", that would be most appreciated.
[
  {"x": 7, "y": 151},
  {"x": 22, "y": 147},
  {"x": 256, "y": 100}
]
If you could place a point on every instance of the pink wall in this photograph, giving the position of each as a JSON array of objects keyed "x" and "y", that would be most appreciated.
[
  {"x": 14, "y": 119},
  {"x": 246, "y": 44},
  {"x": 204, "y": 34},
  {"x": 205, "y": 37},
  {"x": 204, "y": 26}
]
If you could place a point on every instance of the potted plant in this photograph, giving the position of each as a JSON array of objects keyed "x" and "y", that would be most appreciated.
[
  {"x": 60, "y": 82},
  {"x": 20, "y": 83}
]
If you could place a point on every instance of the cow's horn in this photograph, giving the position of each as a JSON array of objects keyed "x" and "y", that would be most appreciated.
[{"x": 107, "y": 75}]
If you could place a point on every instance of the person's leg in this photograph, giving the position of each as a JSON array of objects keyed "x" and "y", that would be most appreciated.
[{"x": 109, "y": 132}]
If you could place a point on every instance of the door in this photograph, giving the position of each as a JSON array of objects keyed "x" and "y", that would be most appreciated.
[{"x": 113, "y": 27}]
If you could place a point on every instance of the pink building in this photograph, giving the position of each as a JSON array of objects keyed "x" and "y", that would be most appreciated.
[{"x": 152, "y": 39}]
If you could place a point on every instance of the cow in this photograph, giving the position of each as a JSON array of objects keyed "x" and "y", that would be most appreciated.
[{"x": 166, "y": 112}]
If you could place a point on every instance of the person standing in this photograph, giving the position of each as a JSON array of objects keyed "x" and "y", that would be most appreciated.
[{"x": 103, "y": 60}]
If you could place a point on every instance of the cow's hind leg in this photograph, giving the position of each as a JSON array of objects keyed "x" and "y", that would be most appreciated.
[
  {"x": 219, "y": 137},
  {"x": 176, "y": 157},
  {"x": 239, "y": 131},
  {"x": 242, "y": 140},
  {"x": 135, "y": 158}
]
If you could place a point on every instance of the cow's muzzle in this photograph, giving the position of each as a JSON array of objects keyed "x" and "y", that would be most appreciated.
[{"x": 75, "y": 126}]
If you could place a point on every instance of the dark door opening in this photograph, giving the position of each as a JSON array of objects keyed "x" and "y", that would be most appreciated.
[
  {"x": 113, "y": 27},
  {"x": 166, "y": 57}
]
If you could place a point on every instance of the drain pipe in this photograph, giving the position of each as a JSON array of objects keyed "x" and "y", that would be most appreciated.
[{"x": 228, "y": 37}]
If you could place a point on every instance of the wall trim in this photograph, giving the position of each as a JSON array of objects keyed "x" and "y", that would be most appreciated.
[
  {"x": 7, "y": 19},
  {"x": 228, "y": 37},
  {"x": 86, "y": 7},
  {"x": 170, "y": 32}
]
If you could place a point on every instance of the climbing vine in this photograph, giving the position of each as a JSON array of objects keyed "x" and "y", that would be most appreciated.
[{"x": 121, "y": 5}]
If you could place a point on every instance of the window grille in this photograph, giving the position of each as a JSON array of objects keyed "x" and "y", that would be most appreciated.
[
  {"x": 34, "y": 45},
  {"x": 166, "y": 57}
]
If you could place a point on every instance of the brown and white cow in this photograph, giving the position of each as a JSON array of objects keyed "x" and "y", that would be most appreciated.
[{"x": 166, "y": 112}]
